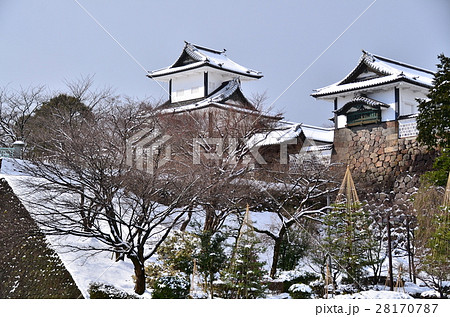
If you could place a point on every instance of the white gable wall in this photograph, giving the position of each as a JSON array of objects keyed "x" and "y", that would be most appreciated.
[
  {"x": 387, "y": 97},
  {"x": 217, "y": 78},
  {"x": 214, "y": 81},
  {"x": 408, "y": 103},
  {"x": 188, "y": 87}
]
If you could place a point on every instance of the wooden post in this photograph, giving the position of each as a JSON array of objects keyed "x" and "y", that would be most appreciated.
[
  {"x": 408, "y": 249},
  {"x": 391, "y": 278}
]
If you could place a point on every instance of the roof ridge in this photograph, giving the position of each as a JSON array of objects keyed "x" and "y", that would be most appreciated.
[
  {"x": 369, "y": 59},
  {"x": 192, "y": 52},
  {"x": 200, "y": 47},
  {"x": 385, "y": 59}
]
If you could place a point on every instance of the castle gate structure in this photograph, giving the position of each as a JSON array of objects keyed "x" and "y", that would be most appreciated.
[{"x": 375, "y": 110}]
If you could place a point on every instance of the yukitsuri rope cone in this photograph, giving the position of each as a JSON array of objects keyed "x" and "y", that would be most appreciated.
[
  {"x": 196, "y": 290},
  {"x": 347, "y": 193},
  {"x": 348, "y": 197},
  {"x": 399, "y": 282},
  {"x": 247, "y": 226},
  {"x": 328, "y": 280}
]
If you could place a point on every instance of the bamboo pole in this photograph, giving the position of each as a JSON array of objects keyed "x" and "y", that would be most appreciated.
[
  {"x": 347, "y": 192},
  {"x": 447, "y": 193}
]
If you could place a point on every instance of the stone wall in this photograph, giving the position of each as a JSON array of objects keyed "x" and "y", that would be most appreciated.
[
  {"x": 379, "y": 160},
  {"x": 28, "y": 267}
]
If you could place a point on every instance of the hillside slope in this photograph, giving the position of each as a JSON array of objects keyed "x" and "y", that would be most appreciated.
[{"x": 28, "y": 268}]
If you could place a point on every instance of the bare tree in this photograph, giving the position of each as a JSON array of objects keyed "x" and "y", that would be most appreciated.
[
  {"x": 87, "y": 189},
  {"x": 295, "y": 198},
  {"x": 16, "y": 108},
  {"x": 212, "y": 146},
  {"x": 83, "y": 90}
]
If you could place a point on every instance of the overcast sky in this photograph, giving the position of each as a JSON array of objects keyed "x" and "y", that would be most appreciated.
[{"x": 45, "y": 42}]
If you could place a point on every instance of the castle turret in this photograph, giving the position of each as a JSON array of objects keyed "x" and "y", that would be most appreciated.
[
  {"x": 199, "y": 72},
  {"x": 377, "y": 90}
]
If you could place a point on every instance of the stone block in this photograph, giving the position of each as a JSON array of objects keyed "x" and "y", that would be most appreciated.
[
  {"x": 390, "y": 149},
  {"x": 392, "y": 137}
]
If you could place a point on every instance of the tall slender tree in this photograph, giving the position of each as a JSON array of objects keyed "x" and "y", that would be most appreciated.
[{"x": 433, "y": 121}]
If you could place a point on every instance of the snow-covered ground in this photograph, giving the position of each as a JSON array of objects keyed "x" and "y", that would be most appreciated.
[{"x": 375, "y": 295}]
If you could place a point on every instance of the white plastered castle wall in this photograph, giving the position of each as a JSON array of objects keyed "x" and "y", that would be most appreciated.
[{"x": 188, "y": 87}]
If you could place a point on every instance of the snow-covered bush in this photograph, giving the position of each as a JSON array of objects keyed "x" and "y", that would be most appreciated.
[
  {"x": 104, "y": 291},
  {"x": 318, "y": 288},
  {"x": 289, "y": 278},
  {"x": 178, "y": 251},
  {"x": 300, "y": 291},
  {"x": 346, "y": 289},
  {"x": 172, "y": 287}
]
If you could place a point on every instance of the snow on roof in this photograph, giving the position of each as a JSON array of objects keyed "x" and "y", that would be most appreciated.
[
  {"x": 287, "y": 131},
  {"x": 318, "y": 134},
  {"x": 216, "y": 99},
  {"x": 388, "y": 71},
  {"x": 202, "y": 57},
  {"x": 278, "y": 135}
]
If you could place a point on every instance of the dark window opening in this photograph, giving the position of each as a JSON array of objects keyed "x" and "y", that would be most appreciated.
[{"x": 362, "y": 117}]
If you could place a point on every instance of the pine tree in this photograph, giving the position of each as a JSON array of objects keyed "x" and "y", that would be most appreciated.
[
  {"x": 434, "y": 114},
  {"x": 433, "y": 121},
  {"x": 293, "y": 247}
]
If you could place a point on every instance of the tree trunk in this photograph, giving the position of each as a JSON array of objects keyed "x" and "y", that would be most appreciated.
[
  {"x": 209, "y": 219},
  {"x": 408, "y": 249},
  {"x": 276, "y": 252},
  {"x": 211, "y": 285},
  {"x": 139, "y": 273},
  {"x": 186, "y": 222}
]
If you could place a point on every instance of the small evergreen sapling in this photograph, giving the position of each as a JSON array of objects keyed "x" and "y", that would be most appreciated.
[
  {"x": 348, "y": 241},
  {"x": 246, "y": 272},
  {"x": 211, "y": 258}
]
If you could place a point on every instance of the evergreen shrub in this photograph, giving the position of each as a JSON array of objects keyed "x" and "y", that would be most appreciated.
[
  {"x": 105, "y": 291},
  {"x": 171, "y": 287},
  {"x": 300, "y": 291}
]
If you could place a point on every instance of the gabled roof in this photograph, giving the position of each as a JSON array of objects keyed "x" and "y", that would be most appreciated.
[
  {"x": 358, "y": 100},
  {"x": 228, "y": 96},
  {"x": 196, "y": 56},
  {"x": 319, "y": 134},
  {"x": 282, "y": 134},
  {"x": 287, "y": 131},
  {"x": 374, "y": 70}
]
